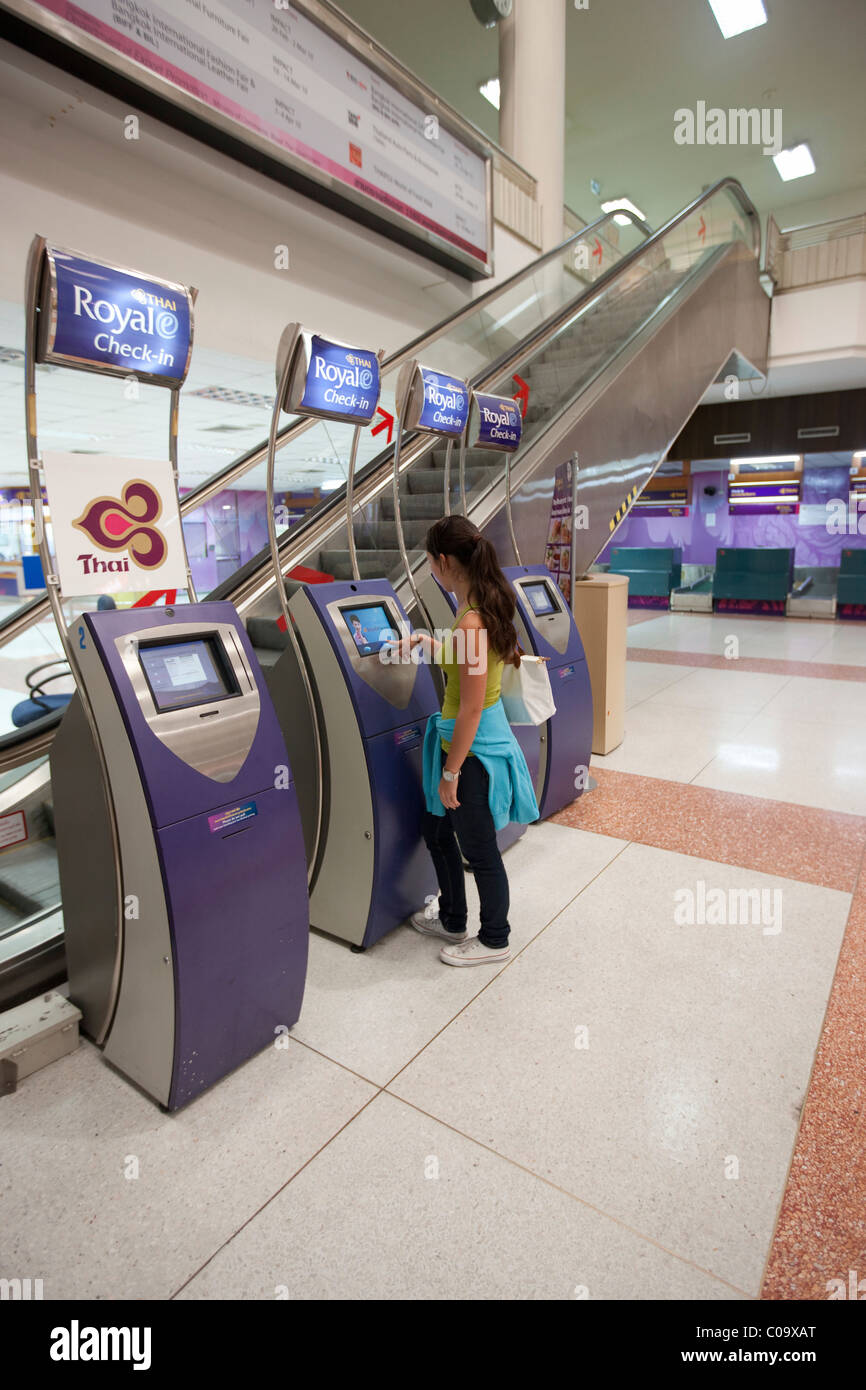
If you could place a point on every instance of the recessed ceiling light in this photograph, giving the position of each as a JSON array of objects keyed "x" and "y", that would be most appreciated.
[
  {"x": 490, "y": 90},
  {"x": 330, "y": 484},
  {"x": 613, "y": 203},
  {"x": 736, "y": 16},
  {"x": 795, "y": 163}
]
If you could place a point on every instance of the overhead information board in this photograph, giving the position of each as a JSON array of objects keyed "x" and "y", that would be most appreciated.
[{"x": 264, "y": 72}]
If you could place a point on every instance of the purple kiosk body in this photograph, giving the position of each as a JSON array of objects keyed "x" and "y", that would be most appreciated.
[
  {"x": 546, "y": 627},
  {"x": 203, "y": 962}
]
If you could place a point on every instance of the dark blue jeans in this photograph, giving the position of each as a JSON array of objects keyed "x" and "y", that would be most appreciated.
[{"x": 470, "y": 828}]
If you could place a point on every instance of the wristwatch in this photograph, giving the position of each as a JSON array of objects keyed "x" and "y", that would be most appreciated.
[{"x": 450, "y": 776}]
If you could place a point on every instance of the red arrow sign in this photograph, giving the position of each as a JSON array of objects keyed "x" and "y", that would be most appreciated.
[
  {"x": 522, "y": 394},
  {"x": 386, "y": 424},
  {"x": 596, "y": 255},
  {"x": 148, "y": 600},
  {"x": 702, "y": 229}
]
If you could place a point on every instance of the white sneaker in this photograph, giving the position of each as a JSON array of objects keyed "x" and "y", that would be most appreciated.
[
  {"x": 474, "y": 952},
  {"x": 429, "y": 924}
]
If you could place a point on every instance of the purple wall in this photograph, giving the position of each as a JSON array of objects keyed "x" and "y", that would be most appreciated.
[
  {"x": 232, "y": 527},
  {"x": 813, "y": 545}
]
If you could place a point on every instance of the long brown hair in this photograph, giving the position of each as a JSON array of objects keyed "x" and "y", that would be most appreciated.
[{"x": 488, "y": 587}]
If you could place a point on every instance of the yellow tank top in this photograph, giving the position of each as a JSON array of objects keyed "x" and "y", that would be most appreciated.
[{"x": 495, "y": 667}]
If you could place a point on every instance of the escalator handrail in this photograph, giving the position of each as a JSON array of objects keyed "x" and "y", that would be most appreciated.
[
  {"x": 33, "y": 612},
  {"x": 297, "y": 536},
  {"x": 294, "y": 546}
]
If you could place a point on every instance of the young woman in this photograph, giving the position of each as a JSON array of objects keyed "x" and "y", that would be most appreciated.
[{"x": 475, "y": 775}]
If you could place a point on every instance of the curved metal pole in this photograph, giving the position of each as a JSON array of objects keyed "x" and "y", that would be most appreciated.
[
  {"x": 350, "y": 501},
  {"x": 463, "y": 474},
  {"x": 401, "y": 541},
  {"x": 448, "y": 452},
  {"x": 508, "y": 511},
  {"x": 172, "y": 454},
  {"x": 52, "y": 587},
  {"x": 284, "y": 604}
]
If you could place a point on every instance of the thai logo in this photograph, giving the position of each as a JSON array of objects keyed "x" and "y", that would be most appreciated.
[{"x": 127, "y": 524}]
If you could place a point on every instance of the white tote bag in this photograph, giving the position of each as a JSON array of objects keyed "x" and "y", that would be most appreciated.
[{"x": 526, "y": 693}]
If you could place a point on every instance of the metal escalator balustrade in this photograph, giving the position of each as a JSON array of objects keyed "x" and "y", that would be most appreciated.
[{"x": 585, "y": 346}]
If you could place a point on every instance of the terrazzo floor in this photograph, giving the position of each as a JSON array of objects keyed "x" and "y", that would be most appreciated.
[{"x": 660, "y": 1096}]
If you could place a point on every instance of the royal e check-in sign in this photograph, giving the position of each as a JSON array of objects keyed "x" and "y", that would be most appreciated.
[
  {"x": 499, "y": 423},
  {"x": 104, "y": 318},
  {"x": 432, "y": 402}
]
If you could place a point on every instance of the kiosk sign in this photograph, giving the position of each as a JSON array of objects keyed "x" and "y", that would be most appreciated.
[
  {"x": 432, "y": 402},
  {"x": 341, "y": 382},
  {"x": 499, "y": 423},
  {"x": 102, "y": 318}
]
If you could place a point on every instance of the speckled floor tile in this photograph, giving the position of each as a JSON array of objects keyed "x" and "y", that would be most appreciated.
[
  {"x": 813, "y": 670},
  {"x": 821, "y": 1233},
  {"x": 72, "y": 1211},
  {"x": 822, "y": 847},
  {"x": 821, "y": 765},
  {"x": 373, "y": 1012},
  {"x": 661, "y": 743},
  {"x": 400, "y": 1207},
  {"x": 676, "y": 1109}
]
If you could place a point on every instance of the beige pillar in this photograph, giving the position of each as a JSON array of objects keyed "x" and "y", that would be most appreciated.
[{"x": 532, "y": 102}]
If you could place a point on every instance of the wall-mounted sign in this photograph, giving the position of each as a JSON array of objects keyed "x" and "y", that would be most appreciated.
[
  {"x": 104, "y": 318},
  {"x": 560, "y": 531},
  {"x": 499, "y": 423},
  {"x": 763, "y": 498},
  {"x": 332, "y": 112},
  {"x": 116, "y": 524},
  {"x": 437, "y": 403},
  {"x": 330, "y": 380},
  {"x": 668, "y": 501}
]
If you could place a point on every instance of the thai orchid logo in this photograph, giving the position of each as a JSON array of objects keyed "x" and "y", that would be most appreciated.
[{"x": 126, "y": 524}]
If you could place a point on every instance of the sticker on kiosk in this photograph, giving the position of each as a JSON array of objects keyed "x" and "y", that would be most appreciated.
[
  {"x": 104, "y": 318},
  {"x": 499, "y": 423},
  {"x": 436, "y": 403},
  {"x": 330, "y": 380}
]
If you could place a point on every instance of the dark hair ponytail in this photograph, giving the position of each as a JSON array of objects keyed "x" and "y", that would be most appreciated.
[{"x": 488, "y": 587}]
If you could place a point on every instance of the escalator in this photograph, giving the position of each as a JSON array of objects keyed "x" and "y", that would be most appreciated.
[{"x": 611, "y": 363}]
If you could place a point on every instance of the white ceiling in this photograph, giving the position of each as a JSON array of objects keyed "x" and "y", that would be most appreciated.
[{"x": 632, "y": 63}]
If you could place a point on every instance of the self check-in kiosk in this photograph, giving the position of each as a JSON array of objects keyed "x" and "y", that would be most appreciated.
[
  {"x": 353, "y": 715},
  {"x": 179, "y": 839},
  {"x": 546, "y": 628},
  {"x": 206, "y": 964},
  {"x": 372, "y": 869}
]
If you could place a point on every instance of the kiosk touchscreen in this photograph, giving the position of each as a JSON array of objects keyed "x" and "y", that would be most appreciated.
[
  {"x": 202, "y": 961},
  {"x": 547, "y": 628},
  {"x": 371, "y": 869}
]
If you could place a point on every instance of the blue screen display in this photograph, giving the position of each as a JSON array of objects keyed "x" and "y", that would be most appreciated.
[
  {"x": 371, "y": 628},
  {"x": 540, "y": 598}
]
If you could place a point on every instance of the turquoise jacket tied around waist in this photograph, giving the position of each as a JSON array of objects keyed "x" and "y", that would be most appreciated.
[{"x": 511, "y": 794}]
